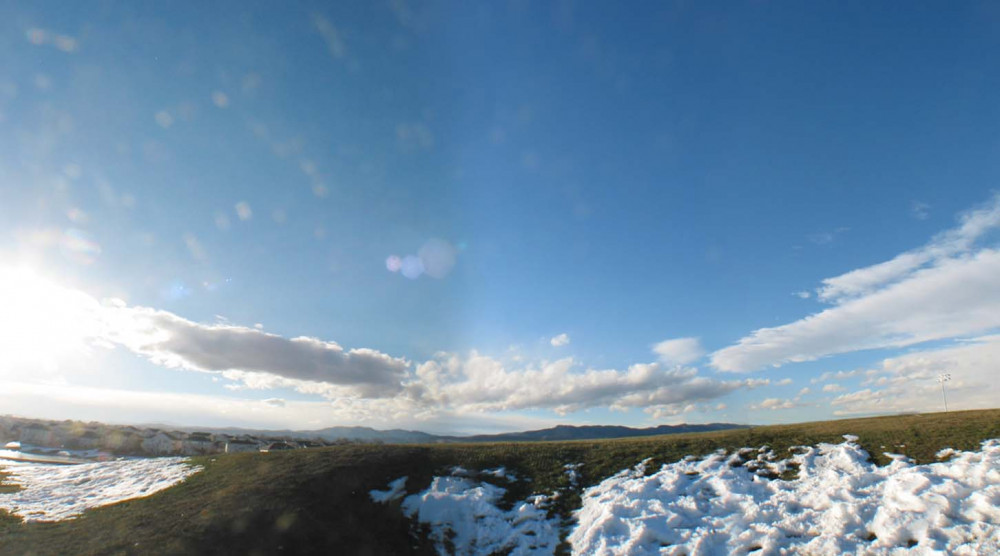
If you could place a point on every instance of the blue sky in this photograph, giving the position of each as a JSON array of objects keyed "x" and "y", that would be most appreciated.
[{"x": 490, "y": 216}]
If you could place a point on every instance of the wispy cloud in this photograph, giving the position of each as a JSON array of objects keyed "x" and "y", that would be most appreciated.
[
  {"x": 774, "y": 404},
  {"x": 836, "y": 375},
  {"x": 944, "y": 290},
  {"x": 331, "y": 36},
  {"x": 827, "y": 238},
  {"x": 973, "y": 226},
  {"x": 679, "y": 351},
  {"x": 560, "y": 340}
]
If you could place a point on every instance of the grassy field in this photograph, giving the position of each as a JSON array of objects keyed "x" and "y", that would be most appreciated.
[{"x": 316, "y": 501}]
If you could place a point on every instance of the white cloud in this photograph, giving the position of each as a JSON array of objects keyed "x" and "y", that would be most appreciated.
[
  {"x": 783, "y": 382},
  {"x": 774, "y": 404},
  {"x": 941, "y": 291},
  {"x": 679, "y": 351},
  {"x": 908, "y": 382},
  {"x": 802, "y": 294},
  {"x": 804, "y": 391},
  {"x": 480, "y": 383},
  {"x": 835, "y": 375},
  {"x": 833, "y": 387},
  {"x": 973, "y": 225},
  {"x": 172, "y": 341},
  {"x": 560, "y": 340}
]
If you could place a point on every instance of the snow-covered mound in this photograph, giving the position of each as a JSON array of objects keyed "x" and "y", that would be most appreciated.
[
  {"x": 840, "y": 503},
  {"x": 56, "y": 492}
]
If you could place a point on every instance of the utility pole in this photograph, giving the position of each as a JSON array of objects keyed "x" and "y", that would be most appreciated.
[{"x": 942, "y": 378}]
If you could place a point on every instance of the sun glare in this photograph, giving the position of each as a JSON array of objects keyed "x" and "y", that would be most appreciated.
[{"x": 41, "y": 322}]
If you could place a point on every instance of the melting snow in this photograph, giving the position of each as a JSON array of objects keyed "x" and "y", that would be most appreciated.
[
  {"x": 396, "y": 490},
  {"x": 573, "y": 473},
  {"x": 501, "y": 473},
  {"x": 56, "y": 492},
  {"x": 733, "y": 504},
  {"x": 840, "y": 503},
  {"x": 464, "y": 518},
  {"x": 465, "y": 513}
]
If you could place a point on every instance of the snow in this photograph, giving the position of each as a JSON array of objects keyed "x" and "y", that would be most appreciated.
[
  {"x": 56, "y": 492},
  {"x": 501, "y": 473},
  {"x": 840, "y": 503},
  {"x": 464, "y": 513},
  {"x": 464, "y": 517},
  {"x": 573, "y": 473},
  {"x": 396, "y": 491}
]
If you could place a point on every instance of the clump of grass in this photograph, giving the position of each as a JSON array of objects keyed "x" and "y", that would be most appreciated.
[{"x": 7, "y": 487}]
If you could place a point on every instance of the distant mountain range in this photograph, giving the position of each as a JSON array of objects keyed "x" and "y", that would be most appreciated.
[
  {"x": 592, "y": 432},
  {"x": 560, "y": 432}
]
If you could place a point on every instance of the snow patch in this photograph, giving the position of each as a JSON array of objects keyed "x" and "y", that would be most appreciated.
[
  {"x": 501, "y": 473},
  {"x": 56, "y": 492},
  {"x": 464, "y": 519},
  {"x": 396, "y": 491},
  {"x": 840, "y": 503},
  {"x": 573, "y": 473}
]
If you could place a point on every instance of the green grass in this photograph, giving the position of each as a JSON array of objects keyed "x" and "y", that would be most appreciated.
[{"x": 316, "y": 501}]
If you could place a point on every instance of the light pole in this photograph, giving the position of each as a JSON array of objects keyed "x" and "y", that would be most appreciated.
[{"x": 942, "y": 378}]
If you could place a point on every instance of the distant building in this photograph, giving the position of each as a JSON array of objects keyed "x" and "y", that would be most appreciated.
[
  {"x": 276, "y": 446},
  {"x": 38, "y": 435},
  {"x": 237, "y": 445},
  {"x": 198, "y": 443},
  {"x": 161, "y": 443},
  {"x": 86, "y": 441},
  {"x": 124, "y": 441}
]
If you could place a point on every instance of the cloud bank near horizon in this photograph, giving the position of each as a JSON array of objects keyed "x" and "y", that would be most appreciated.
[{"x": 364, "y": 383}]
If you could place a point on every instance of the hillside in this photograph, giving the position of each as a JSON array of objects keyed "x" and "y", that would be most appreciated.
[
  {"x": 317, "y": 501},
  {"x": 592, "y": 432},
  {"x": 399, "y": 436}
]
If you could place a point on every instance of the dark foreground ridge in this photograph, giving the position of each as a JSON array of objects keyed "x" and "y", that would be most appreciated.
[{"x": 316, "y": 501}]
